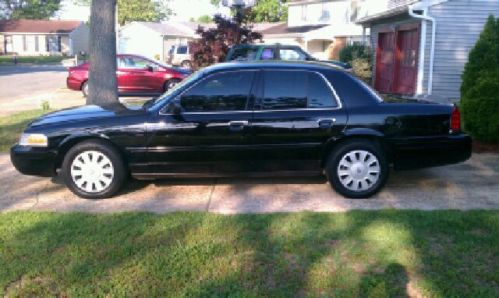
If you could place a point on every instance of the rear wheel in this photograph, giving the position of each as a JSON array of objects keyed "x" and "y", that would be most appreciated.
[
  {"x": 93, "y": 170},
  {"x": 84, "y": 89},
  {"x": 357, "y": 169}
]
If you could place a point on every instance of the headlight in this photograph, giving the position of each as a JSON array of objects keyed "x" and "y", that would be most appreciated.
[{"x": 33, "y": 140}]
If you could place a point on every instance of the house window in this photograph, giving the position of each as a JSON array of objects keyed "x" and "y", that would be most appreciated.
[
  {"x": 59, "y": 45},
  {"x": 325, "y": 15},
  {"x": 37, "y": 47},
  {"x": 25, "y": 45}
]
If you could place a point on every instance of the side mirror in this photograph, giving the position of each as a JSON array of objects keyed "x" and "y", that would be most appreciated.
[
  {"x": 150, "y": 68},
  {"x": 175, "y": 108}
]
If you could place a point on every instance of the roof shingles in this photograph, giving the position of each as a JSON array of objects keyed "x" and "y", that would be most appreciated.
[{"x": 38, "y": 26}]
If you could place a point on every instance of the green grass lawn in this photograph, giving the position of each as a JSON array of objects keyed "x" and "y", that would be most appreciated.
[
  {"x": 355, "y": 254},
  {"x": 32, "y": 59},
  {"x": 12, "y": 126}
]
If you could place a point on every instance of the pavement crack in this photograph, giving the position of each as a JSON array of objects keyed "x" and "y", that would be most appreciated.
[
  {"x": 211, "y": 195},
  {"x": 38, "y": 193}
]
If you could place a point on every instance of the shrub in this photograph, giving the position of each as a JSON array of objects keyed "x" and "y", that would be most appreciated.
[
  {"x": 354, "y": 51},
  {"x": 480, "y": 86},
  {"x": 214, "y": 43},
  {"x": 360, "y": 58}
]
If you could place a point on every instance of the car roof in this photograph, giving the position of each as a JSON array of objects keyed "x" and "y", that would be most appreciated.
[
  {"x": 271, "y": 64},
  {"x": 261, "y": 45}
]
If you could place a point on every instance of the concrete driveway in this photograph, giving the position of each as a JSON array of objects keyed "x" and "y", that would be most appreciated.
[{"x": 470, "y": 185}]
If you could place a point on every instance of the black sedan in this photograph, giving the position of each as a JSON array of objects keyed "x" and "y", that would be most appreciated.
[{"x": 248, "y": 119}]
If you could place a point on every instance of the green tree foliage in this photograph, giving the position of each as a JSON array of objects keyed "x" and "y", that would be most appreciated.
[
  {"x": 205, "y": 19},
  {"x": 266, "y": 11},
  {"x": 139, "y": 10},
  {"x": 28, "y": 9},
  {"x": 214, "y": 43},
  {"x": 480, "y": 86}
]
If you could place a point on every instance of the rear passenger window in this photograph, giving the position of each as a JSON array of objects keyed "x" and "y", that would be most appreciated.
[
  {"x": 284, "y": 90},
  {"x": 319, "y": 93}
]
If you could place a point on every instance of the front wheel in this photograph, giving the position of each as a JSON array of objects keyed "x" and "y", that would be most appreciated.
[
  {"x": 93, "y": 170},
  {"x": 357, "y": 169}
]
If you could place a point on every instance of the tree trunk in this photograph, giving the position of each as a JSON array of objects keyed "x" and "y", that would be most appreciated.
[{"x": 102, "y": 83}]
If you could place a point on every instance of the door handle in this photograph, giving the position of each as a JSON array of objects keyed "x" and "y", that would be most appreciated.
[
  {"x": 326, "y": 123},
  {"x": 237, "y": 125}
]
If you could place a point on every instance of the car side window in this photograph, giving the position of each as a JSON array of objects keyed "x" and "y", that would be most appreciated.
[
  {"x": 135, "y": 63},
  {"x": 228, "y": 91},
  {"x": 284, "y": 90},
  {"x": 320, "y": 94},
  {"x": 291, "y": 55},
  {"x": 244, "y": 54},
  {"x": 182, "y": 50},
  {"x": 268, "y": 54}
]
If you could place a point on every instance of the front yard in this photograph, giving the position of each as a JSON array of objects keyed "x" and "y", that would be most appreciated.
[
  {"x": 376, "y": 254},
  {"x": 31, "y": 59},
  {"x": 12, "y": 126}
]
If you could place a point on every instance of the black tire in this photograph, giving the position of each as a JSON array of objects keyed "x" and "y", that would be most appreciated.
[
  {"x": 84, "y": 89},
  {"x": 186, "y": 64},
  {"x": 356, "y": 148},
  {"x": 170, "y": 84},
  {"x": 116, "y": 163}
]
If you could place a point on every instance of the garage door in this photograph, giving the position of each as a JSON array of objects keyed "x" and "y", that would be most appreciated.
[{"x": 396, "y": 60}]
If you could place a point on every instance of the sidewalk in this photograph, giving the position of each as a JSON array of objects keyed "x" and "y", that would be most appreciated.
[{"x": 471, "y": 185}]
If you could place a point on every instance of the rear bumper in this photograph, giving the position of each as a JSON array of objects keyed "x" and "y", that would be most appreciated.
[
  {"x": 33, "y": 161},
  {"x": 432, "y": 151}
]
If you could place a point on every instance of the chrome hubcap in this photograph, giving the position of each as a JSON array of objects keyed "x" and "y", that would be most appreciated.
[
  {"x": 359, "y": 170},
  {"x": 92, "y": 171}
]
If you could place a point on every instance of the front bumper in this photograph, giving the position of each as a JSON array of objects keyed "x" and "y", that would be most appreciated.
[
  {"x": 34, "y": 161},
  {"x": 431, "y": 151}
]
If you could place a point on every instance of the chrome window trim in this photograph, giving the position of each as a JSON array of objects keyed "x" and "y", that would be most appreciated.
[{"x": 333, "y": 90}]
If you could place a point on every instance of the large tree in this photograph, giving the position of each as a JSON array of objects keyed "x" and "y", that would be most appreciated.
[
  {"x": 28, "y": 9},
  {"x": 266, "y": 11},
  {"x": 139, "y": 10},
  {"x": 102, "y": 83}
]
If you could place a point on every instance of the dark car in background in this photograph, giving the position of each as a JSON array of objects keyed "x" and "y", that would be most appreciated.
[
  {"x": 136, "y": 75},
  {"x": 249, "y": 119},
  {"x": 257, "y": 52}
]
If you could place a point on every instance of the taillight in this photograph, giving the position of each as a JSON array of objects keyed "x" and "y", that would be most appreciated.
[{"x": 455, "y": 120}]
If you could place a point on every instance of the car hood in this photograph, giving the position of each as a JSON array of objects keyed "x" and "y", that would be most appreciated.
[{"x": 86, "y": 113}]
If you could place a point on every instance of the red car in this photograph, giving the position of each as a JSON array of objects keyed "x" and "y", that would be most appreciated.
[{"x": 136, "y": 76}]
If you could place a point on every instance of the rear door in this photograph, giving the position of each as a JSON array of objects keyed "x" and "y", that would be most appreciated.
[
  {"x": 296, "y": 113},
  {"x": 140, "y": 78}
]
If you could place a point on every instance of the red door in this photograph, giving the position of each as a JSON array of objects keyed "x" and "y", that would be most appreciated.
[
  {"x": 396, "y": 60},
  {"x": 406, "y": 61},
  {"x": 385, "y": 62}
]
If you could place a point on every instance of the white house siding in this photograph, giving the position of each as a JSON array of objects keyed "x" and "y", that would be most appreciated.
[
  {"x": 140, "y": 40},
  {"x": 318, "y": 12},
  {"x": 459, "y": 24}
]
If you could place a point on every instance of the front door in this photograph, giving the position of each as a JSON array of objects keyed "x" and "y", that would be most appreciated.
[
  {"x": 140, "y": 75},
  {"x": 406, "y": 64},
  {"x": 385, "y": 55},
  {"x": 210, "y": 135},
  {"x": 296, "y": 114}
]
